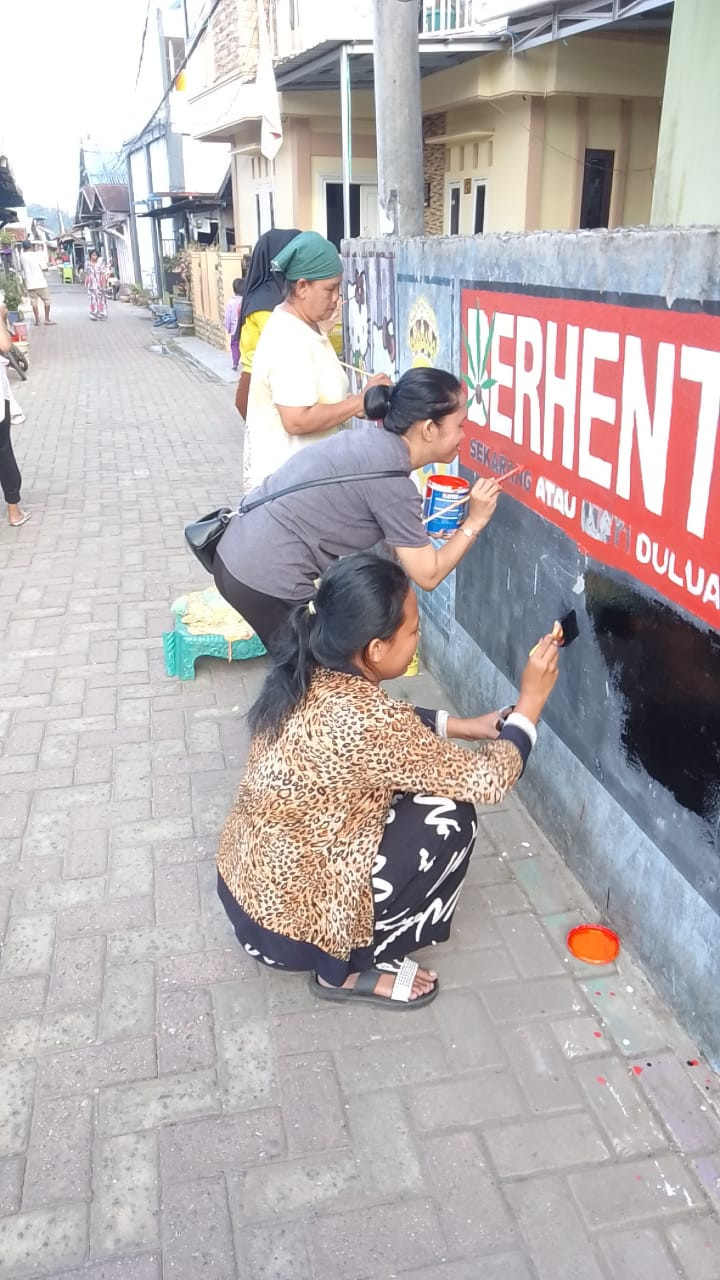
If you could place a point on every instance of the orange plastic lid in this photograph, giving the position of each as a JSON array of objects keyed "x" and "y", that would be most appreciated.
[{"x": 593, "y": 943}]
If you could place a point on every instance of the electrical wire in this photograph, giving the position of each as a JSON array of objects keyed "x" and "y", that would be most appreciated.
[
  {"x": 130, "y": 144},
  {"x": 142, "y": 42}
]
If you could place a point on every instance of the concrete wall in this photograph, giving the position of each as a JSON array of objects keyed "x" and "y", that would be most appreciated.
[
  {"x": 233, "y": 32},
  {"x": 687, "y": 182},
  {"x": 605, "y": 362}
]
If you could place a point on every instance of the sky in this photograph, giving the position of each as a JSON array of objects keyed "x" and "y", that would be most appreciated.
[{"x": 66, "y": 72}]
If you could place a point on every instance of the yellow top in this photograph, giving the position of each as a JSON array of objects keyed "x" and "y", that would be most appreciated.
[{"x": 249, "y": 335}]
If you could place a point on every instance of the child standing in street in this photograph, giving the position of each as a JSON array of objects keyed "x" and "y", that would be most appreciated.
[{"x": 232, "y": 311}]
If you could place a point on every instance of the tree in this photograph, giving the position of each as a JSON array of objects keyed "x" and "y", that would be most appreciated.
[{"x": 50, "y": 216}]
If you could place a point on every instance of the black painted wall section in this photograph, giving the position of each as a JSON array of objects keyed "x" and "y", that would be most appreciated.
[{"x": 638, "y": 701}]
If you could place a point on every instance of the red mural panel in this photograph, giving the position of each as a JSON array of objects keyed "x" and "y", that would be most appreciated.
[{"x": 613, "y": 412}]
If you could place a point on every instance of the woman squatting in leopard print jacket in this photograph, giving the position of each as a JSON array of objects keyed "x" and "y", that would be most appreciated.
[{"x": 351, "y": 833}]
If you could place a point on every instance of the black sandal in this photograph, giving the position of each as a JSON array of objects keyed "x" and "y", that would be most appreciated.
[{"x": 364, "y": 989}]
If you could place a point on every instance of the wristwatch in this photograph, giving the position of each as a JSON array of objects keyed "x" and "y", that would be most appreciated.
[{"x": 469, "y": 533}]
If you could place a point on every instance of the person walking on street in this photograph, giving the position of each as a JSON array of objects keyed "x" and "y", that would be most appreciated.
[
  {"x": 35, "y": 282},
  {"x": 10, "y": 478},
  {"x": 232, "y": 315},
  {"x": 96, "y": 284}
]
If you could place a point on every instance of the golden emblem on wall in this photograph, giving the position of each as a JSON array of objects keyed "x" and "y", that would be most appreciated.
[{"x": 423, "y": 336}]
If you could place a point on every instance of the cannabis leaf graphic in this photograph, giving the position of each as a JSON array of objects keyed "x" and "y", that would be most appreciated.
[{"x": 476, "y": 379}]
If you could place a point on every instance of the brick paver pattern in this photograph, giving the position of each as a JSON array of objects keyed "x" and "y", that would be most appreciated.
[{"x": 168, "y": 1108}]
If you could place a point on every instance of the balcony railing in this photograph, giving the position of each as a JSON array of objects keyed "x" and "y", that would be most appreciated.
[
  {"x": 299, "y": 25},
  {"x": 445, "y": 17}
]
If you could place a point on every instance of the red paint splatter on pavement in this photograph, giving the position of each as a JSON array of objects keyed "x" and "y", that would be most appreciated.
[
  {"x": 612, "y": 993},
  {"x": 597, "y": 1035},
  {"x": 601, "y": 1080},
  {"x": 638, "y": 1071},
  {"x": 693, "y": 1062}
]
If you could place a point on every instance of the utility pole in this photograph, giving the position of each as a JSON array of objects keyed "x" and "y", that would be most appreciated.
[{"x": 398, "y": 117}]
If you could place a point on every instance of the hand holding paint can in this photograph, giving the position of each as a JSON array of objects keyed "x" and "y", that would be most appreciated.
[
  {"x": 449, "y": 500},
  {"x": 446, "y": 504}
]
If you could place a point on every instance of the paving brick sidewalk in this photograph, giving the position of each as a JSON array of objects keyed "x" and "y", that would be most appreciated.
[{"x": 166, "y": 1107}]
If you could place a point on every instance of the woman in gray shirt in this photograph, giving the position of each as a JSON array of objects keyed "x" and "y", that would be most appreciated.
[{"x": 268, "y": 559}]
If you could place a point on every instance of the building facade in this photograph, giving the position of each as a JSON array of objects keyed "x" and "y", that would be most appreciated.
[
  {"x": 177, "y": 184},
  {"x": 530, "y": 122}
]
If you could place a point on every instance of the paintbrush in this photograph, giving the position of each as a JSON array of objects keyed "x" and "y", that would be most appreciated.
[
  {"x": 461, "y": 501},
  {"x": 355, "y": 369},
  {"x": 507, "y": 475}
]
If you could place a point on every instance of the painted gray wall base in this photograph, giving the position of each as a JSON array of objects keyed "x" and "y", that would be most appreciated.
[{"x": 660, "y": 918}]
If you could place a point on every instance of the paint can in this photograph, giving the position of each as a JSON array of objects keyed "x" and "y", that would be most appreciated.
[{"x": 442, "y": 492}]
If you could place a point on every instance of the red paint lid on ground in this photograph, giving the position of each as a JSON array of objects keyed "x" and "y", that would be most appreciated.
[{"x": 593, "y": 943}]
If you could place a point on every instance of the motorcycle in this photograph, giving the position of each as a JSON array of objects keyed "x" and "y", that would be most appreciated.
[{"x": 16, "y": 355}]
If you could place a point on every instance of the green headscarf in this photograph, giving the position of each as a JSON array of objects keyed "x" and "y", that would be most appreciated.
[{"x": 308, "y": 257}]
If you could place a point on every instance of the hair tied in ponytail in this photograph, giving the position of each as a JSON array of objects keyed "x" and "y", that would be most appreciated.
[
  {"x": 360, "y": 598},
  {"x": 377, "y": 402},
  {"x": 419, "y": 395}
]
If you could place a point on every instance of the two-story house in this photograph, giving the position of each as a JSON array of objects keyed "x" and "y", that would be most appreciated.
[
  {"x": 179, "y": 188},
  {"x": 536, "y": 113}
]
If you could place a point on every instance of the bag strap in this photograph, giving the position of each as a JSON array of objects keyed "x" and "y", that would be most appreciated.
[{"x": 243, "y": 510}]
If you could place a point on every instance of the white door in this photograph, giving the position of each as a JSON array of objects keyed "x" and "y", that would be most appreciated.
[
  {"x": 264, "y": 208},
  {"x": 453, "y": 209},
  {"x": 368, "y": 211}
]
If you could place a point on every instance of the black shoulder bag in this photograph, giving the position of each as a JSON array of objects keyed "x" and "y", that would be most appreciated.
[{"x": 204, "y": 534}]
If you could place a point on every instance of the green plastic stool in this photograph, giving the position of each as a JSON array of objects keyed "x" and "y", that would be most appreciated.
[{"x": 182, "y": 650}]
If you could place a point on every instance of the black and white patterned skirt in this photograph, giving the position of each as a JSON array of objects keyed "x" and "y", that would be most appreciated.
[
  {"x": 417, "y": 876},
  {"x": 419, "y": 871}
]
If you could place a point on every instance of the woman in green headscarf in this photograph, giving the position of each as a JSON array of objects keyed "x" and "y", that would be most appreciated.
[{"x": 299, "y": 392}]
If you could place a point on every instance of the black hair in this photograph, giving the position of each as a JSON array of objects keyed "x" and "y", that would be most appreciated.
[
  {"x": 238, "y": 286},
  {"x": 419, "y": 394},
  {"x": 360, "y": 598}
]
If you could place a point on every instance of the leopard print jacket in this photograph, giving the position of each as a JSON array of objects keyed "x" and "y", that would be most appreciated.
[{"x": 298, "y": 846}]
